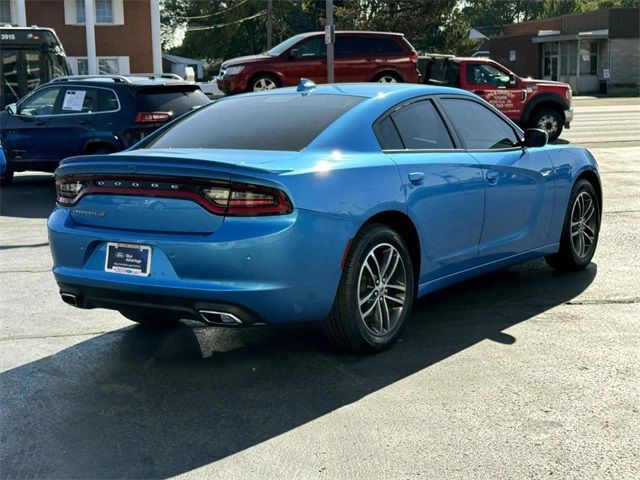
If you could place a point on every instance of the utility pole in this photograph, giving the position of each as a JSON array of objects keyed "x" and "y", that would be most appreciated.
[
  {"x": 330, "y": 39},
  {"x": 269, "y": 24}
]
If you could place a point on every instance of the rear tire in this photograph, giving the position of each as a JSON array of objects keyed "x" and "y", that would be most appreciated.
[
  {"x": 387, "y": 77},
  {"x": 580, "y": 230},
  {"x": 375, "y": 294},
  {"x": 151, "y": 320},
  {"x": 550, "y": 120}
]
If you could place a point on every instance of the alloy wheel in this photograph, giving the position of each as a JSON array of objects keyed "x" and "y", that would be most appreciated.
[
  {"x": 387, "y": 79},
  {"x": 381, "y": 289},
  {"x": 264, "y": 84},
  {"x": 583, "y": 225}
]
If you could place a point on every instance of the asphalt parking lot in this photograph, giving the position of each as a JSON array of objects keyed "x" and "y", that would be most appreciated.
[{"x": 525, "y": 373}]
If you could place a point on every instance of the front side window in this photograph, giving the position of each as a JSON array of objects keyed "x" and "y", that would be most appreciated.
[
  {"x": 421, "y": 127},
  {"x": 482, "y": 74},
  {"x": 40, "y": 103},
  {"x": 314, "y": 47},
  {"x": 294, "y": 121},
  {"x": 478, "y": 127}
]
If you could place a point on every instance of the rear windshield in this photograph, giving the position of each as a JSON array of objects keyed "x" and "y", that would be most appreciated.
[
  {"x": 261, "y": 122},
  {"x": 170, "y": 99}
]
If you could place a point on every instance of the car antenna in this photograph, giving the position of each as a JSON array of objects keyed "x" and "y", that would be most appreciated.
[{"x": 305, "y": 85}]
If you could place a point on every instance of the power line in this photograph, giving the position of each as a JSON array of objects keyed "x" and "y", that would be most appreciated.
[
  {"x": 198, "y": 17},
  {"x": 221, "y": 25}
]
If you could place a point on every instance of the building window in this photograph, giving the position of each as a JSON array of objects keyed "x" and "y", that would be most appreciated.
[
  {"x": 106, "y": 66},
  {"x": 104, "y": 11},
  {"x": 550, "y": 60},
  {"x": 5, "y": 12},
  {"x": 588, "y": 58},
  {"x": 568, "y": 58},
  {"x": 80, "y": 15}
]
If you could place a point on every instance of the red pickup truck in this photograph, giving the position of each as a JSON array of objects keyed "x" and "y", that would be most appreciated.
[{"x": 530, "y": 103}]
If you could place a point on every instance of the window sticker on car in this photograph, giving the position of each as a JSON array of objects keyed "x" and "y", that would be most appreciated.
[{"x": 73, "y": 100}]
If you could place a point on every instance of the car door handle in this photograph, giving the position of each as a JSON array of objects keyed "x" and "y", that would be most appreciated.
[
  {"x": 492, "y": 177},
  {"x": 83, "y": 122},
  {"x": 40, "y": 122},
  {"x": 416, "y": 178}
]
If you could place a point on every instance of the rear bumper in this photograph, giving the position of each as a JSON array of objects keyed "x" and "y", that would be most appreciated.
[
  {"x": 280, "y": 269},
  {"x": 568, "y": 117}
]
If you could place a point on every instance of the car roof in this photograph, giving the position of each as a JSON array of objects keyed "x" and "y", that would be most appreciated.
[
  {"x": 369, "y": 90},
  {"x": 128, "y": 81},
  {"x": 355, "y": 32}
]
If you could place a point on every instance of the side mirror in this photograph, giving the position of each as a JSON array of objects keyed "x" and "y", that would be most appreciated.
[
  {"x": 535, "y": 137},
  {"x": 512, "y": 80},
  {"x": 11, "y": 108},
  {"x": 294, "y": 54}
]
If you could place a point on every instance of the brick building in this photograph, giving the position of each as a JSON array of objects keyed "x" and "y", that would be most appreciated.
[
  {"x": 99, "y": 36},
  {"x": 587, "y": 50}
]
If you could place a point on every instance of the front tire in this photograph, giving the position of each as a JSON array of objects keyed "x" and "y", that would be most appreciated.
[
  {"x": 263, "y": 82},
  {"x": 375, "y": 294},
  {"x": 550, "y": 120},
  {"x": 580, "y": 231}
]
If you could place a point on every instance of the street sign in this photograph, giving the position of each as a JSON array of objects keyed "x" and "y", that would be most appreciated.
[
  {"x": 605, "y": 73},
  {"x": 329, "y": 34}
]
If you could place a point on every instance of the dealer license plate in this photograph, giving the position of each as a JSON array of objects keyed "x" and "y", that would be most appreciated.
[{"x": 128, "y": 259}]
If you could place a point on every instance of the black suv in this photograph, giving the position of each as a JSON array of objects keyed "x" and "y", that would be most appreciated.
[{"x": 81, "y": 115}]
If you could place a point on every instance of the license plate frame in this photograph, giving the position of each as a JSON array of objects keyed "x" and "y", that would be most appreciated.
[{"x": 128, "y": 259}]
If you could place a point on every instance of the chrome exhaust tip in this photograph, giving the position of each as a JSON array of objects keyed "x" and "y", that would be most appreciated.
[
  {"x": 219, "y": 318},
  {"x": 69, "y": 298}
]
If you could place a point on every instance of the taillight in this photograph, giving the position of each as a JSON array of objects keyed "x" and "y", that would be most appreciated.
[
  {"x": 153, "y": 117},
  {"x": 244, "y": 200},
  {"x": 67, "y": 191},
  {"x": 413, "y": 56},
  {"x": 221, "y": 198}
]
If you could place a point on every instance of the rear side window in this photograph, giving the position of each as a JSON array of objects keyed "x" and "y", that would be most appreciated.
[
  {"x": 478, "y": 127},
  {"x": 381, "y": 45},
  {"x": 260, "y": 122},
  {"x": 421, "y": 127},
  {"x": 79, "y": 100},
  {"x": 388, "y": 135},
  {"x": 359, "y": 45},
  {"x": 169, "y": 99},
  {"x": 107, "y": 100}
]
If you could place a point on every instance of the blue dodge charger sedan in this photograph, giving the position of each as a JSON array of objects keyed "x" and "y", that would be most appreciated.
[{"x": 332, "y": 203}]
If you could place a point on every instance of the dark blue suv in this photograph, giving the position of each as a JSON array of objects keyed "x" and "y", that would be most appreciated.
[{"x": 88, "y": 115}]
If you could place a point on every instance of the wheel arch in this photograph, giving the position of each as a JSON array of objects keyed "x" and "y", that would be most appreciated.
[
  {"x": 265, "y": 73},
  {"x": 545, "y": 100},
  {"x": 388, "y": 70},
  {"x": 94, "y": 144},
  {"x": 402, "y": 224},
  {"x": 593, "y": 178}
]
